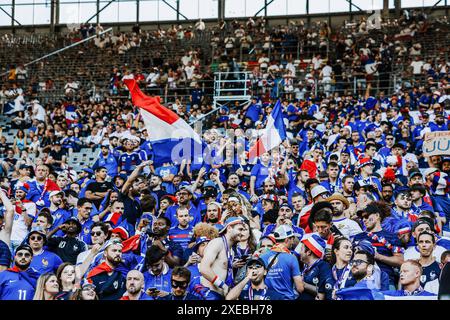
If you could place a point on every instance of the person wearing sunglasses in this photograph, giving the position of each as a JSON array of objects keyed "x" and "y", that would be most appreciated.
[
  {"x": 99, "y": 234},
  {"x": 19, "y": 282},
  {"x": 180, "y": 279},
  {"x": 43, "y": 261}
]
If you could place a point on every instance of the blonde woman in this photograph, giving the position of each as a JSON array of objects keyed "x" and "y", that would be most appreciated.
[{"x": 47, "y": 287}]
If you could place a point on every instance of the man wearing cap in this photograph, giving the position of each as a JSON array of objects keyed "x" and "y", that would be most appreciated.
[
  {"x": 347, "y": 227},
  {"x": 24, "y": 213},
  {"x": 285, "y": 215},
  {"x": 216, "y": 266},
  {"x": 67, "y": 247},
  {"x": 107, "y": 160},
  {"x": 318, "y": 194},
  {"x": 418, "y": 193},
  {"x": 253, "y": 287},
  {"x": 58, "y": 213},
  {"x": 109, "y": 283},
  {"x": 184, "y": 196},
  {"x": 96, "y": 191},
  {"x": 316, "y": 274},
  {"x": 365, "y": 167},
  {"x": 410, "y": 274},
  {"x": 43, "y": 261},
  {"x": 19, "y": 282},
  {"x": 389, "y": 253},
  {"x": 283, "y": 271}
]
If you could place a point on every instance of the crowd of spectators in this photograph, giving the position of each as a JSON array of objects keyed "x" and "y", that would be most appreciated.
[{"x": 347, "y": 207}]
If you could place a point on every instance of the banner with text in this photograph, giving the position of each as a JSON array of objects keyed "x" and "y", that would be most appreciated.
[{"x": 436, "y": 143}]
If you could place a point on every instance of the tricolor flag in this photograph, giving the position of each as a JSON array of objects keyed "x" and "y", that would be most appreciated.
[
  {"x": 172, "y": 139},
  {"x": 114, "y": 218},
  {"x": 274, "y": 134}
]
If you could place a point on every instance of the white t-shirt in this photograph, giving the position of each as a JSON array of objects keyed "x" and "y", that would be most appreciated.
[
  {"x": 417, "y": 66},
  {"x": 40, "y": 112},
  {"x": 347, "y": 227},
  {"x": 19, "y": 228},
  {"x": 413, "y": 253}
]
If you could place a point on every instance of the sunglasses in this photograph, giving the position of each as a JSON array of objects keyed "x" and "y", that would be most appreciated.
[
  {"x": 36, "y": 238},
  {"x": 357, "y": 262},
  {"x": 96, "y": 234},
  {"x": 179, "y": 284},
  {"x": 26, "y": 255},
  {"x": 255, "y": 266}
]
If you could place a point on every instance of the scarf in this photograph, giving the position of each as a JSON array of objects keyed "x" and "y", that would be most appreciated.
[
  {"x": 101, "y": 268},
  {"x": 385, "y": 243}
]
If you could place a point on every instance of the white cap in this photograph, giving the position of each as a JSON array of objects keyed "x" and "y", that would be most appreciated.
[{"x": 318, "y": 190}]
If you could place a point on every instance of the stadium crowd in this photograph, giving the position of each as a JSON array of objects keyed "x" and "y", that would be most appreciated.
[{"x": 348, "y": 207}]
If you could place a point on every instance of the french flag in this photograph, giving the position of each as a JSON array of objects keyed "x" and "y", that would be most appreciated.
[
  {"x": 274, "y": 134},
  {"x": 172, "y": 139},
  {"x": 114, "y": 218}
]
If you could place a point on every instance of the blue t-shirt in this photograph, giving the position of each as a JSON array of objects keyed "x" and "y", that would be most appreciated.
[
  {"x": 161, "y": 282},
  {"x": 281, "y": 274},
  {"x": 110, "y": 163},
  {"x": 164, "y": 172},
  {"x": 253, "y": 112},
  {"x": 262, "y": 294},
  {"x": 181, "y": 236},
  {"x": 46, "y": 262},
  {"x": 171, "y": 214},
  {"x": 261, "y": 172},
  {"x": 5, "y": 254},
  {"x": 320, "y": 275},
  {"x": 17, "y": 285},
  {"x": 129, "y": 161}
]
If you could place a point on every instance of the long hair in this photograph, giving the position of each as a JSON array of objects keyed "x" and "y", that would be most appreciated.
[
  {"x": 40, "y": 286},
  {"x": 59, "y": 271},
  {"x": 77, "y": 295}
]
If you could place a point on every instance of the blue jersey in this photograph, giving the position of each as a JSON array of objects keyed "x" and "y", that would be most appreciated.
[
  {"x": 17, "y": 285},
  {"x": 59, "y": 216},
  {"x": 129, "y": 161},
  {"x": 404, "y": 293},
  {"x": 171, "y": 214},
  {"x": 181, "y": 236},
  {"x": 248, "y": 293},
  {"x": 261, "y": 172},
  {"x": 110, "y": 163},
  {"x": 281, "y": 274},
  {"x": 46, "y": 262},
  {"x": 318, "y": 274},
  {"x": 430, "y": 273},
  {"x": 164, "y": 172},
  {"x": 254, "y": 111},
  {"x": 161, "y": 282},
  {"x": 5, "y": 254}
]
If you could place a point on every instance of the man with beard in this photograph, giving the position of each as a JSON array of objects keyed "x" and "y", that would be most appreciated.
[
  {"x": 348, "y": 183},
  {"x": 67, "y": 247},
  {"x": 157, "y": 272},
  {"x": 184, "y": 196},
  {"x": 156, "y": 186},
  {"x": 213, "y": 215},
  {"x": 387, "y": 193},
  {"x": 159, "y": 237},
  {"x": 283, "y": 274},
  {"x": 109, "y": 283},
  {"x": 19, "y": 282},
  {"x": 58, "y": 213},
  {"x": 182, "y": 233},
  {"x": 389, "y": 253},
  {"x": 96, "y": 191},
  {"x": 180, "y": 279},
  {"x": 418, "y": 193},
  {"x": 347, "y": 227},
  {"x": 233, "y": 182},
  {"x": 135, "y": 287},
  {"x": 216, "y": 266},
  {"x": 410, "y": 273},
  {"x": 297, "y": 185},
  {"x": 253, "y": 287}
]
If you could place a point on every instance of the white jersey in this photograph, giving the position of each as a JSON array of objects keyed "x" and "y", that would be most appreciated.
[
  {"x": 347, "y": 227},
  {"x": 413, "y": 253},
  {"x": 19, "y": 228}
]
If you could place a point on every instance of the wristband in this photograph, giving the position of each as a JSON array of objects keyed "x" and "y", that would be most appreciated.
[{"x": 218, "y": 283}]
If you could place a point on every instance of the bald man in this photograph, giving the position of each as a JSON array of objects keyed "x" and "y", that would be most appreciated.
[{"x": 135, "y": 287}]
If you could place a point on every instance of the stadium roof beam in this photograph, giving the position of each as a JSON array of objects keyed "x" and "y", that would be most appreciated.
[
  {"x": 11, "y": 15},
  {"x": 98, "y": 11},
  {"x": 354, "y": 5},
  {"x": 177, "y": 9},
  {"x": 266, "y": 4}
]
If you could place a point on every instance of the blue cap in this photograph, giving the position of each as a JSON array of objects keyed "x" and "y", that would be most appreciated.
[
  {"x": 199, "y": 241},
  {"x": 366, "y": 246},
  {"x": 231, "y": 221},
  {"x": 209, "y": 183},
  {"x": 88, "y": 170}
]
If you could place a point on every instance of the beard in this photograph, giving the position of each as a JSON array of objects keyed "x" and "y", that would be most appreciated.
[
  {"x": 22, "y": 266},
  {"x": 115, "y": 262},
  {"x": 213, "y": 220},
  {"x": 359, "y": 275}
]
